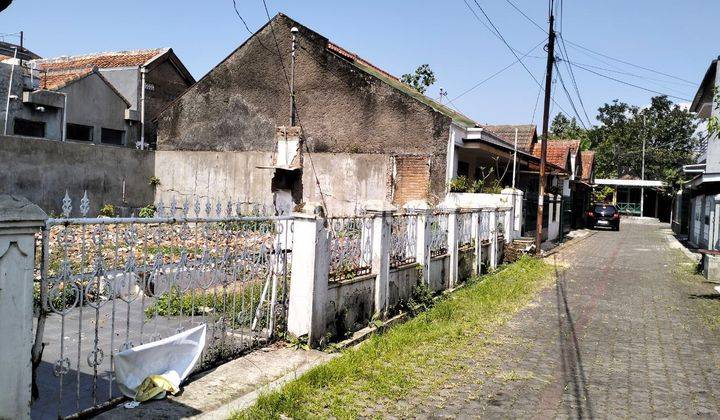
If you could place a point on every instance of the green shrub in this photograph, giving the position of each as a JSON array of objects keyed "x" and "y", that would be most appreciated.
[
  {"x": 459, "y": 184},
  {"x": 147, "y": 211},
  {"x": 108, "y": 210},
  {"x": 154, "y": 181}
]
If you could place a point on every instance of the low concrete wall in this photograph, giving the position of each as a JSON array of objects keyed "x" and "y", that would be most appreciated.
[
  {"x": 349, "y": 305},
  {"x": 439, "y": 273},
  {"x": 42, "y": 170},
  {"x": 466, "y": 257},
  {"x": 402, "y": 281}
]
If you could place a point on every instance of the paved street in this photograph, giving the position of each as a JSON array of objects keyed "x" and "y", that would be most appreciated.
[{"x": 624, "y": 332}]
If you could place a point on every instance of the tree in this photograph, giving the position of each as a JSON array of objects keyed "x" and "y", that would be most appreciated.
[
  {"x": 669, "y": 137},
  {"x": 564, "y": 128},
  {"x": 421, "y": 79}
]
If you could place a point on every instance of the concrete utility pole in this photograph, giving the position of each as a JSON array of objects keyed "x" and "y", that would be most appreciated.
[
  {"x": 546, "y": 119},
  {"x": 515, "y": 158}
]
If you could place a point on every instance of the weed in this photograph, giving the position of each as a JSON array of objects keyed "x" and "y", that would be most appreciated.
[{"x": 108, "y": 210}]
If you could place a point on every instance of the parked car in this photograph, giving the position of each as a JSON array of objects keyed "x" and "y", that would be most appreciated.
[{"x": 603, "y": 215}]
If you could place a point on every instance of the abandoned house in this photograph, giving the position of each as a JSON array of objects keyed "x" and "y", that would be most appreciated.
[
  {"x": 147, "y": 79},
  {"x": 366, "y": 136}
]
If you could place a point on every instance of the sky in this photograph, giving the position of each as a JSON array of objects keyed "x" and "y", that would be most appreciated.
[{"x": 674, "y": 37}]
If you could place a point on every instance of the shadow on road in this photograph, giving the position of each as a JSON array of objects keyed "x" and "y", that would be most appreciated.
[{"x": 573, "y": 371}]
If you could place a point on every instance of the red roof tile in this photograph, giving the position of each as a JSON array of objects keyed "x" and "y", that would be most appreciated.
[
  {"x": 101, "y": 60},
  {"x": 557, "y": 153},
  {"x": 588, "y": 163},
  {"x": 58, "y": 79},
  {"x": 526, "y": 134}
]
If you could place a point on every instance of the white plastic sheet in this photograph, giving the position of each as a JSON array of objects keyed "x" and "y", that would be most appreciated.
[{"x": 173, "y": 358}]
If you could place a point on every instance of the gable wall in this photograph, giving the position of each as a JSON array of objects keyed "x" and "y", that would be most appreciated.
[{"x": 237, "y": 106}]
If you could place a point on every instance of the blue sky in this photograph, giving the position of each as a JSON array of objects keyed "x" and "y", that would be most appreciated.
[{"x": 675, "y": 37}]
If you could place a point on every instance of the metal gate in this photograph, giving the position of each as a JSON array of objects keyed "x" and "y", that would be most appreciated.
[{"x": 108, "y": 284}]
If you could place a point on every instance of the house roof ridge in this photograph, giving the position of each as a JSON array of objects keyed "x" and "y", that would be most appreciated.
[{"x": 158, "y": 51}]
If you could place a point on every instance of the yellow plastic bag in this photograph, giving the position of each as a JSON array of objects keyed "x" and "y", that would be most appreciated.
[{"x": 154, "y": 386}]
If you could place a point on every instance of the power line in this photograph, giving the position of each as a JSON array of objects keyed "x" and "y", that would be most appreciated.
[
  {"x": 563, "y": 52},
  {"x": 569, "y": 97},
  {"x": 512, "y": 50},
  {"x": 576, "y": 45},
  {"x": 630, "y": 84},
  {"x": 478, "y": 84}
]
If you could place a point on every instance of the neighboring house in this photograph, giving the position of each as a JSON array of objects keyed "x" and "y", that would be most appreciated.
[
  {"x": 95, "y": 111},
  {"x": 148, "y": 80},
  {"x": 8, "y": 50},
  {"x": 699, "y": 217},
  {"x": 367, "y": 136}
]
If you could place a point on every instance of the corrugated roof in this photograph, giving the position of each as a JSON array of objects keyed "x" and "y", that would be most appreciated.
[
  {"x": 395, "y": 82},
  {"x": 101, "y": 60},
  {"x": 526, "y": 134}
]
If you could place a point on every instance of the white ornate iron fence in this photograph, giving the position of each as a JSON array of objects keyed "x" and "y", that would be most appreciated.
[
  {"x": 485, "y": 226},
  {"x": 350, "y": 246},
  {"x": 465, "y": 228},
  {"x": 438, "y": 234},
  {"x": 403, "y": 239},
  {"x": 108, "y": 284}
]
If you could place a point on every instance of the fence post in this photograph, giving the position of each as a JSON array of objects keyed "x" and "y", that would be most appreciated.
[
  {"x": 477, "y": 241},
  {"x": 382, "y": 225},
  {"x": 493, "y": 239},
  {"x": 422, "y": 253},
  {"x": 20, "y": 220},
  {"x": 452, "y": 238},
  {"x": 309, "y": 278}
]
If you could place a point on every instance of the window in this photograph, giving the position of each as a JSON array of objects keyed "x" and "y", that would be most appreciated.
[
  {"x": 463, "y": 168},
  {"x": 29, "y": 128},
  {"x": 79, "y": 132},
  {"x": 110, "y": 136}
]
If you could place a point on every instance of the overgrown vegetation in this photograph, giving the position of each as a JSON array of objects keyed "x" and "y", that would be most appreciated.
[
  {"x": 463, "y": 184},
  {"x": 154, "y": 181},
  {"x": 421, "y": 79},
  {"x": 388, "y": 366},
  {"x": 421, "y": 299}
]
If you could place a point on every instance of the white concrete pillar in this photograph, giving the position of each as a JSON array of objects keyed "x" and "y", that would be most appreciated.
[
  {"x": 382, "y": 229},
  {"x": 493, "y": 239},
  {"x": 452, "y": 237},
  {"x": 20, "y": 220},
  {"x": 422, "y": 253},
  {"x": 477, "y": 241},
  {"x": 309, "y": 278}
]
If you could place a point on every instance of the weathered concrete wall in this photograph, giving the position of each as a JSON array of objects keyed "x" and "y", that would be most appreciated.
[
  {"x": 167, "y": 85},
  {"x": 402, "y": 281},
  {"x": 215, "y": 175},
  {"x": 346, "y": 180},
  {"x": 92, "y": 102},
  {"x": 42, "y": 170},
  {"x": 127, "y": 82},
  {"x": 439, "y": 273},
  {"x": 240, "y": 102},
  {"x": 349, "y": 305}
]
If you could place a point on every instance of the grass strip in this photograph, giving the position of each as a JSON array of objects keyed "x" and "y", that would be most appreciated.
[{"x": 388, "y": 366}]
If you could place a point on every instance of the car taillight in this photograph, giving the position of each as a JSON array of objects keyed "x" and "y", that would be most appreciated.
[
  {"x": 616, "y": 216},
  {"x": 590, "y": 214}
]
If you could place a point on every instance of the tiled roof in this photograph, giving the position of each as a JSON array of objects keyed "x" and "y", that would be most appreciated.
[
  {"x": 526, "y": 134},
  {"x": 58, "y": 79},
  {"x": 101, "y": 60},
  {"x": 393, "y": 81},
  {"x": 557, "y": 153},
  {"x": 573, "y": 145},
  {"x": 588, "y": 162}
]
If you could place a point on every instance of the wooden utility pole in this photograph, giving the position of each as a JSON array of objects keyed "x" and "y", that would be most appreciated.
[{"x": 546, "y": 119}]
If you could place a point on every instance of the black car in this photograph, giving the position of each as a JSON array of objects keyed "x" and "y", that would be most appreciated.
[{"x": 603, "y": 215}]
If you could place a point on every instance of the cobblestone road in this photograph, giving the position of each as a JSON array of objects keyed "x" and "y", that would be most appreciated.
[{"x": 626, "y": 331}]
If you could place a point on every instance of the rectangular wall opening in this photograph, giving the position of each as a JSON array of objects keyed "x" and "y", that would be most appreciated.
[
  {"x": 29, "y": 128},
  {"x": 79, "y": 132},
  {"x": 110, "y": 136}
]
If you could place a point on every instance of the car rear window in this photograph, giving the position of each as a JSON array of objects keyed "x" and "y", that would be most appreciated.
[{"x": 604, "y": 208}]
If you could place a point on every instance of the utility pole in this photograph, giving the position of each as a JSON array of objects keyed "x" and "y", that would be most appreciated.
[
  {"x": 546, "y": 119},
  {"x": 642, "y": 170}
]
